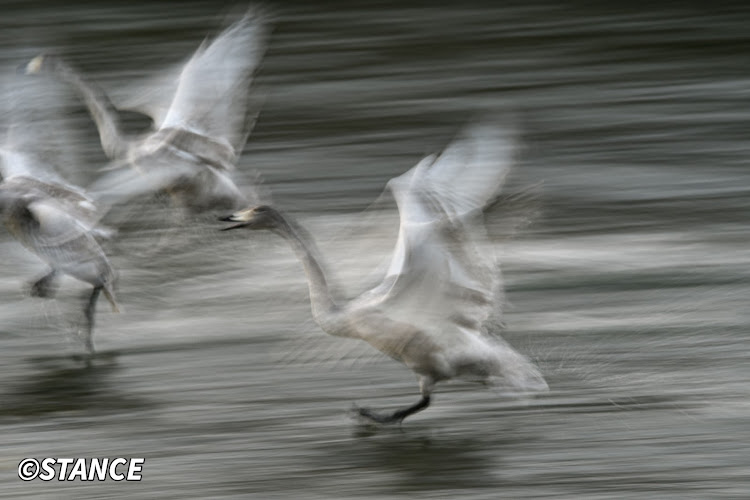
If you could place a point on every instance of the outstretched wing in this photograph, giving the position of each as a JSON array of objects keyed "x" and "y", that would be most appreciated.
[
  {"x": 53, "y": 218},
  {"x": 443, "y": 267},
  {"x": 462, "y": 180},
  {"x": 17, "y": 164},
  {"x": 27, "y": 177},
  {"x": 213, "y": 90},
  {"x": 149, "y": 175},
  {"x": 47, "y": 226},
  {"x": 39, "y": 137}
]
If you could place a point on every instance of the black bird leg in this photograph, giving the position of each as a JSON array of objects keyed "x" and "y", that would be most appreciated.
[
  {"x": 89, "y": 310},
  {"x": 398, "y": 415}
]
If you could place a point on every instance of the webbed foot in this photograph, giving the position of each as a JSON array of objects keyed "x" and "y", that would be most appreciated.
[
  {"x": 395, "y": 417},
  {"x": 377, "y": 417}
]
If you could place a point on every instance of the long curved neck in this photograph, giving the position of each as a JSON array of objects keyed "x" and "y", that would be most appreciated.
[
  {"x": 100, "y": 107},
  {"x": 324, "y": 308}
]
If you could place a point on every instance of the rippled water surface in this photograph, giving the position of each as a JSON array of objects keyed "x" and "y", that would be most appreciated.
[{"x": 629, "y": 288}]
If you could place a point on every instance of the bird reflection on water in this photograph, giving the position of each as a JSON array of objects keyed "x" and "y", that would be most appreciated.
[{"x": 64, "y": 385}]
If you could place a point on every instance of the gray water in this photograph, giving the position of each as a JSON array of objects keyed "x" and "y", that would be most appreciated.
[{"x": 628, "y": 287}]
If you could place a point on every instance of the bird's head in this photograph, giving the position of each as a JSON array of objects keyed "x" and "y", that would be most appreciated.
[
  {"x": 260, "y": 217},
  {"x": 40, "y": 64}
]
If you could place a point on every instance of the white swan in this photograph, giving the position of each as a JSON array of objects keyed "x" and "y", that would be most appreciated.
[
  {"x": 441, "y": 286},
  {"x": 57, "y": 222},
  {"x": 202, "y": 119}
]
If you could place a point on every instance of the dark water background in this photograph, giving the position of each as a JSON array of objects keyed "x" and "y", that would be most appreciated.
[{"x": 630, "y": 289}]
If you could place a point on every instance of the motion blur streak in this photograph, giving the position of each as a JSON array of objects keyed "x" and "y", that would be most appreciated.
[{"x": 629, "y": 290}]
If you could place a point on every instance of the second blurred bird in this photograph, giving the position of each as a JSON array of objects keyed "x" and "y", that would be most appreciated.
[
  {"x": 54, "y": 219},
  {"x": 202, "y": 115}
]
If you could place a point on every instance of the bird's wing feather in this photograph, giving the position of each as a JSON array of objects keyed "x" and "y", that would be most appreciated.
[
  {"x": 212, "y": 94},
  {"x": 65, "y": 243},
  {"x": 50, "y": 216},
  {"x": 56, "y": 226},
  {"x": 24, "y": 174},
  {"x": 464, "y": 178},
  {"x": 443, "y": 267},
  {"x": 149, "y": 175},
  {"x": 14, "y": 163}
]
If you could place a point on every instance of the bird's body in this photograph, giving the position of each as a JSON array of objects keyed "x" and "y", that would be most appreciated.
[
  {"x": 57, "y": 222},
  {"x": 201, "y": 118},
  {"x": 442, "y": 284}
]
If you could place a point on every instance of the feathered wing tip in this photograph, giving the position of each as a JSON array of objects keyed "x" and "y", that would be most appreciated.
[
  {"x": 249, "y": 31},
  {"x": 109, "y": 293},
  {"x": 489, "y": 150},
  {"x": 37, "y": 124},
  {"x": 107, "y": 281},
  {"x": 257, "y": 12},
  {"x": 212, "y": 93},
  {"x": 461, "y": 181},
  {"x": 514, "y": 373},
  {"x": 223, "y": 64},
  {"x": 511, "y": 212}
]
